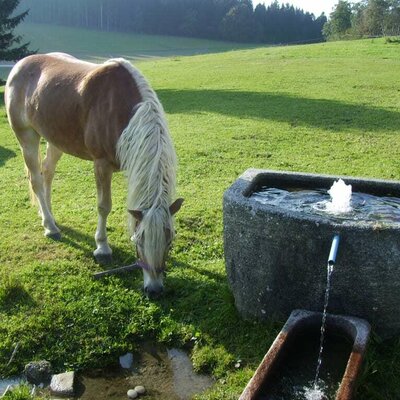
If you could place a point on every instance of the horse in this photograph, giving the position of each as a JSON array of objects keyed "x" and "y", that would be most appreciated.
[{"x": 108, "y": 114}]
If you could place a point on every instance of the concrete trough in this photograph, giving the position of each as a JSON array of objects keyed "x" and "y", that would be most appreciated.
[{"x": 276, "y": 258}]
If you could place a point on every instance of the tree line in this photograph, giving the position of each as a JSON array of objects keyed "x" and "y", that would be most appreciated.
[
  {"x": 365, "y": 18},
  {"x": 232, "y": 20}
]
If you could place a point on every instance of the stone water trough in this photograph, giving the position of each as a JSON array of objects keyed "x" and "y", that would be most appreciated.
[{"x": 276, "y": 258}]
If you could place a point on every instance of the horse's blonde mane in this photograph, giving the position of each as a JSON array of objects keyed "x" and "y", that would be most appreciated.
[{"x": 145, "y": 151}]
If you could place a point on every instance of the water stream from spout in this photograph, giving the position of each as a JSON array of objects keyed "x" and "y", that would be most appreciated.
[
  {"x": 316, "y": 390},
  {"x": 323, "y": 324}
]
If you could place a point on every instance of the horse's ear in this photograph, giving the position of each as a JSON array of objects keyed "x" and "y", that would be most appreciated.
[
  {"x": 175, "y": 206},
  {"x": 136, "y": 214}
]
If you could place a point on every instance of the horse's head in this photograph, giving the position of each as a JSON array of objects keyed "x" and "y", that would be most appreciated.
[{"x": 153, "y": 236}]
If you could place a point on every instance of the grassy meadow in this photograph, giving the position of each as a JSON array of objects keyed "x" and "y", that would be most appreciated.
[
  {"x": 327, "y": 108},
  {"x": 90, "y": 44}
]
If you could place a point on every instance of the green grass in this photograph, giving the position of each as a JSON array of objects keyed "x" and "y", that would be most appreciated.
[
  {"x": 327, "y": 108},
  {"x": 89, "y": 44},
  {"x": 21, "y": 392}
]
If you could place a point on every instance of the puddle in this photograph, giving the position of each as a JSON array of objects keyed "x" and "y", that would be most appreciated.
[
  {"x": 5, "y": 383},
  {"x": 165, "y": 373},
  {"x": 186, "y": 381}
]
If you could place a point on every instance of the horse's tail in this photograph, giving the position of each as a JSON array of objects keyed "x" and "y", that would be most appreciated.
[{"x": 16, "y": 114}]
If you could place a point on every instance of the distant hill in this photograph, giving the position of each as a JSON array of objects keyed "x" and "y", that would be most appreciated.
[{"x": 91, "y": 44}]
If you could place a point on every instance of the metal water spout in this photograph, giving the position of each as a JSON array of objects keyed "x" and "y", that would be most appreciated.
[{"x": 334, "y": 250}]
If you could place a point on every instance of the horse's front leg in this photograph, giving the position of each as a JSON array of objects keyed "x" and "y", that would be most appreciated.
[{"x": 103, "y": 172}]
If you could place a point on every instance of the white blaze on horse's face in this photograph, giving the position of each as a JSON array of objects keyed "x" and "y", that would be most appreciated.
[{"x": 153, "y": 242}]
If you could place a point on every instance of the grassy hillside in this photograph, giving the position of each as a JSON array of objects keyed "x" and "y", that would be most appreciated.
[
  {"x": 326, "y": 108},
  {"x": 90, "y": 44}
]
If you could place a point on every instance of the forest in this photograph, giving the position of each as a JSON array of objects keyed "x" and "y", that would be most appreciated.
[
  {"x": 365, "y": 18},
  {"x": 232, "y": 20}
]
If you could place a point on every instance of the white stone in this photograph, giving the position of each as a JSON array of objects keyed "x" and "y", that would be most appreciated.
[
  {"x": 140, "y": 389},
  {"x": 132, "y": 393},
  {"x": 63, "y": 384}
]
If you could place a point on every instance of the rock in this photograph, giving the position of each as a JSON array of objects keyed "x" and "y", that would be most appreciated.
[
  {"x": 38, "y": 372},
  {"x": 126, "y": 360},
  {"x": 132, "y": 393},
  {"x": 140, "y": 389},
  {"x": 63, "y": 384}
]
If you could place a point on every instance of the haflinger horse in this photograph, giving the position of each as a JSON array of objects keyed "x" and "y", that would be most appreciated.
[{"x": 108, "y": 114}]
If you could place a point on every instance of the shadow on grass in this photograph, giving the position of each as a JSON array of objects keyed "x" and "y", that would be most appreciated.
[
  {"x": 319, "y": 113},
  {"x": 86, "y": 244},
  {"x": 14, "y": 298},
  {"x": 5, "y": 154}
]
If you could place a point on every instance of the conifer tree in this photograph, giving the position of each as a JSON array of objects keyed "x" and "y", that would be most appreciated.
[{"x": 10, "y": 44}]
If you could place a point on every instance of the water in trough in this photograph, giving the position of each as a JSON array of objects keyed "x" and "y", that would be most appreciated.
[
  {"x": 294, "y": 380},
  {"x": 365, "y": 208}
]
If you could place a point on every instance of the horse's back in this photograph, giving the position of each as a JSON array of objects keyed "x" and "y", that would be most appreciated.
[
  {"x": 79, "y": 107},
  {"x": 37, "y": 73},
  {"x": 42, "y": 94}
]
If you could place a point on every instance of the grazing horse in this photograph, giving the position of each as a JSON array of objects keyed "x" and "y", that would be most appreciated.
[{"x": 110, "y": 115}]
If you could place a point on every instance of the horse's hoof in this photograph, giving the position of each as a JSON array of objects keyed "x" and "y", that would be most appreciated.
[
  {"x": 103, "y": 259},
  {"x": 54, "y": 236}
]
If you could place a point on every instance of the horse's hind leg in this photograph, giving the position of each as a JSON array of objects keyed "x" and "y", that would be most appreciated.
[
  {"x": 29, "y": 141},
  {"x": 53, "y": 154},
  {"x": 103, "y": 172}
]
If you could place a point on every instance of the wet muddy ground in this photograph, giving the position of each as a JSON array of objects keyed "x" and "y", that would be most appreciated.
[{"x": 166, "y": 374}]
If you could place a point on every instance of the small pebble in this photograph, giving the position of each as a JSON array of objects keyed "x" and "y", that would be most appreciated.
[
  {"x": 132, "y": 393},
  {"x": 140, "y": 389}
]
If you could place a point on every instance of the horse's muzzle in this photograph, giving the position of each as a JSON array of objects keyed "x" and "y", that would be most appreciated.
[{"x": 153, "y": 293}]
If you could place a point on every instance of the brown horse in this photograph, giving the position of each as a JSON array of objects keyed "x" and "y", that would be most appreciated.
[{"x": 108, "y": 114}]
